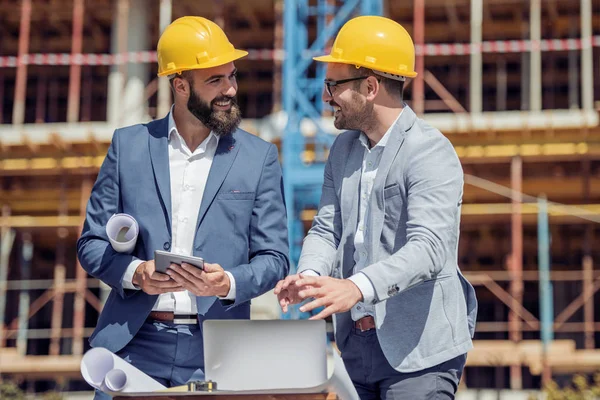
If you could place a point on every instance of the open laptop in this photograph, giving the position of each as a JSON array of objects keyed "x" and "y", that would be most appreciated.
[{"x": 264, "y": 355}]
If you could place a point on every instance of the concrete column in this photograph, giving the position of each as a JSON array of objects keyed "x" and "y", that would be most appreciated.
[
  {"x": 587, "y": 70},
  {"x": 164, "y": 89},
  {"x": 476, "y": 59},
  {"x": 535, "y": 76},
  {"x": 127, "y": 82}
]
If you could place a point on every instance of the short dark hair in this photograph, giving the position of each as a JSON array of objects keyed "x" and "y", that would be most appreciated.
[
  {"x": 391, "y": 85},
  {"x": 187, "y": 75}
]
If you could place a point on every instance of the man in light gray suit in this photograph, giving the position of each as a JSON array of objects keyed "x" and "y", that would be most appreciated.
[{"x": 382, "y": 250}]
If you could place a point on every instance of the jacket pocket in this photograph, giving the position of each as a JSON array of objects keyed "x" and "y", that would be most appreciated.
[
  {"x": 391, "y": 191},
  {"x": 236, "y": 196}
]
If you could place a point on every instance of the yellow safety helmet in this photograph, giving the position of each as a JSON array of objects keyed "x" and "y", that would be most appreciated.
[
  {"x": 377, "y": 43},
  {"x": 194, "y": 43}
]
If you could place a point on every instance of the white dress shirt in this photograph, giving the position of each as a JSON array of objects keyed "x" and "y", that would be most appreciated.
[
  {"x": 370, "y": 165},
  {"x": 189, "y": 173}
]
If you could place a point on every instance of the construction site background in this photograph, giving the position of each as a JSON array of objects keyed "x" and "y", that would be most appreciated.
[{"x": 514, "y": 84}]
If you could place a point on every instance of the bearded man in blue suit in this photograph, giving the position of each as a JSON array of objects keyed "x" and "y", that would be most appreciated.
[{"x": 197, "y": 185}]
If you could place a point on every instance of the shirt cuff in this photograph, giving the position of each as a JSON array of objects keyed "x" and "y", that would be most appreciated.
[
  {"x": 310, "y": 272},
  {"x": 365, "y": 286},
  {"x": 231, "y": 294},
  {"x": 126, "y": 282}
]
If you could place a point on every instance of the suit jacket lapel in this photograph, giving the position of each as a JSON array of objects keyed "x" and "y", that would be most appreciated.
[
  {"x": 159, "y": 156},
  {"x": 351, "y": 181},
  {"x": 225, "y": 154},
  {"x": 377, "y": 203},
  {"x": 349, "y": 203}
]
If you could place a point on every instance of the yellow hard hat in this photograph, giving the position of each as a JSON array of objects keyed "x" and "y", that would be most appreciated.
[
  {"x": 194, "y": 43},
  {"x": 377, "y": 43}
]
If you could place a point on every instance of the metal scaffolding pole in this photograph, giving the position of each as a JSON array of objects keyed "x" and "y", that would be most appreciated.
[
  {"x": 81, "y": 280},
  {"x": 475, "y": 90},
  {"x": 8, "y": 238},
  {"x": 418, "y": 90},
  {"x": 588, "y": 306},
  {"x": 587, "y": 66},
  {"x": 501, "y": 85},
  {"x": 75, "y": 68},
  {"x": 535, "y": 65},
  {"x": 516, "y": 264},
  {"x": 21, "y": 79},
  {"x": 588, "y": 265},
  {"x": 573, "y": 71},
  {"x": 60, "y": 274},
  {"x": 545, "y": 288},
  {"x": 26, "y": 256},
  {"x": 1, "y": 97},
  {"x": 164, "y": 89},
  {"x": 277, "y": 62},
  {"x": 40, "y": 106}
]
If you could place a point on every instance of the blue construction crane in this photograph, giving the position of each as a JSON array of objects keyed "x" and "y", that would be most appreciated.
[{"x": 302, "y": 88}]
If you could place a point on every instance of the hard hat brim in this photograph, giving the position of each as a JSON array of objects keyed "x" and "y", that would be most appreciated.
[
  {"x": 330, "y": 59},
  {"x": 215, "y": 62}
]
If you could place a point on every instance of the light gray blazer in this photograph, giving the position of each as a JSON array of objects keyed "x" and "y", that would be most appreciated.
[{"x": 425, "y": 310}]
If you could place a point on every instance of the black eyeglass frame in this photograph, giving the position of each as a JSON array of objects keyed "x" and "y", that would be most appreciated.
[{"x": 330, "y": 82}]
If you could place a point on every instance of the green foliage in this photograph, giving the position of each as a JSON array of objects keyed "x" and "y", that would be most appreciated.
[
  {"x": 580, "y": 389},
  {"x": 11, "y": 391}
]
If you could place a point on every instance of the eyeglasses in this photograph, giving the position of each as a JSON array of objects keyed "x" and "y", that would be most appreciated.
[{"x": 330, "y": 83}]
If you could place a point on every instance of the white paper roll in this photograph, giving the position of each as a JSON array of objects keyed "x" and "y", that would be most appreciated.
[
  {"x": 108, "y": 372},
  {"x": 122, "y": 231},
  {"x": 115, "y": 380},
  {"x": 340, "y": 382}
]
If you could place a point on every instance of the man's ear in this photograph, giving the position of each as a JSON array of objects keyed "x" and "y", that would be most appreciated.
[
  {"x": 373, "y": 87},
  {"x": 181, "y": 85}
]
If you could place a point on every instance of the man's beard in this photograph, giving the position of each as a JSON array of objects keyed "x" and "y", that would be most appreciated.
[
  {"x": 354, "y": 115},
  {"x": 221, "y": 122}
]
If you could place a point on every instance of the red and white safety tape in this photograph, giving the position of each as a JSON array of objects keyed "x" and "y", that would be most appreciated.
[
  {"x": 498, "y": 46},
  {"x": 507, "y": 46}
]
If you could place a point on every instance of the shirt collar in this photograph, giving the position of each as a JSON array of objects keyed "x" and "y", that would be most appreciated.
[{"x": 365, "y": 140}]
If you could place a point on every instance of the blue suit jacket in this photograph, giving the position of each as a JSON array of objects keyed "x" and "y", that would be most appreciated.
[{"x": 241, "y": 223}]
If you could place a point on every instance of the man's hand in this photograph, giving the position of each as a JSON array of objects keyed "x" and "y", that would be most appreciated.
[
  {"x": 336, "y": 295},
  {"x": 287, "y": 291},
  {"x": 147, "y": 279},
  {"x": 211, "y": 281}
]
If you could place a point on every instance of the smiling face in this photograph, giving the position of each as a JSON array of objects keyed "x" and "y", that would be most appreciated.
[
  {"x": 212, "y": 98},
  {"x": 351, "y": 109}
]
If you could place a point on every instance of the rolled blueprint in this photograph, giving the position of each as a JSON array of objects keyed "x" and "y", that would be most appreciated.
[
  {"x": 108, "y": 372},
  {"x": 339, "y": 380},
  {"x": 122, "y": 231}
]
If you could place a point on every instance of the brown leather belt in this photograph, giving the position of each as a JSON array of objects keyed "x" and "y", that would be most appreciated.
[
  {"x": 166, "y": 316},
  {"x": 365, "y": 323}
]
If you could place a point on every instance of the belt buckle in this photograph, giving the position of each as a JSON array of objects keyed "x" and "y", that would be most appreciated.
[
  {"x": 184, "y": 321},
  {"x": 360, "y": 326}
]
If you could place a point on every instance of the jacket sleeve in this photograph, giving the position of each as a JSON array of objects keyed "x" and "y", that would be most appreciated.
[
  {"x": 94, "y": 251},
  {"x": 434, "y": 182},
  {"x": 268, "y": 242},
  {"x": 320, "y": 245}
]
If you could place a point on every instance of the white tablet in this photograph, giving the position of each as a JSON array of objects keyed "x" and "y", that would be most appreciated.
[{"x": 162, "y": 260}]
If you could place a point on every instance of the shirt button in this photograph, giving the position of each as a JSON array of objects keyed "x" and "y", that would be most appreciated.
[
  {"x": 167, "y": 246},
  {"x": 187, "y": 187},
  {"x": 362, "y": 228},
  {"x": 358, "y": 307},
  {"x": 363, "y": 254}
]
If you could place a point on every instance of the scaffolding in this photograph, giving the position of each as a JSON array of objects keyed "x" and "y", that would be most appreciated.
[{"x": 514, "y": 84}]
